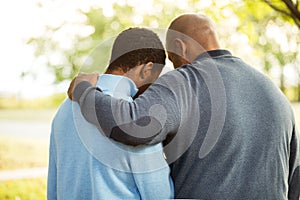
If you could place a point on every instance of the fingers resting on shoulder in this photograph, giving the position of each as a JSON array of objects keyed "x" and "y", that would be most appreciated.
[{"x": 92, "y": 78}]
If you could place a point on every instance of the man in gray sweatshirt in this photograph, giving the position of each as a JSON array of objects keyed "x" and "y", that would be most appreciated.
[{"x": 228, "y": 131}]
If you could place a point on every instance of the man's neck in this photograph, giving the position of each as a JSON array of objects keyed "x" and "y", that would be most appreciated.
[{"x": 118, "y": 72}]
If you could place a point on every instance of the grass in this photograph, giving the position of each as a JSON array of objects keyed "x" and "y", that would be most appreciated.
[
  {"x": 23, "y": 153},
  {"x": 27, "y": 189},
  {"x": 14, "y": 102},
  {"x": 27, "y": 114}
]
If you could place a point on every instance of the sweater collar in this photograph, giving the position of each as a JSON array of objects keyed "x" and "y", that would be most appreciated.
[
  {"x": 117, "y": 86},
  {"x": 214, "y": 54}
]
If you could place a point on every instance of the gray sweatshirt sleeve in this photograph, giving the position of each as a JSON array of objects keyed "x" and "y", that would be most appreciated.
[{"x": 150, "y": 119}]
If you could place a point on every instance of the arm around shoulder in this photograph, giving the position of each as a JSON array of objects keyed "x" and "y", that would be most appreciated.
[{"x": 147, "y": 120}]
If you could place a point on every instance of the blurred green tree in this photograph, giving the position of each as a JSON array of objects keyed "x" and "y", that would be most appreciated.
[
  {"x": 288, "y": 8},
  {"x": 90, "y": 51},
  {"x": 290, "y": 12},
  {"x": 240, "y": 24},
  {"x": 274, "y": 39}
]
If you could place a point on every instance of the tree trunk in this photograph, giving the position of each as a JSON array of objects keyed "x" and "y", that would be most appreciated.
[
  {"x": 298, "y": 92},
  {"x": 282, "y": 80}
]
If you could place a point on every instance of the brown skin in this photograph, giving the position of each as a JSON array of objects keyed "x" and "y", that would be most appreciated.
[
  {"x": 92, "y": 78},
  {"x": 188, "y": 36}
]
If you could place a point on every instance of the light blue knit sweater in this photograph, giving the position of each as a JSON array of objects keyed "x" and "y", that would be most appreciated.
[{"x": 85, "y": 165}]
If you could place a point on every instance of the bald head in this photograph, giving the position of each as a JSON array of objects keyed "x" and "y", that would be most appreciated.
[{"x": 190, "y": 35}]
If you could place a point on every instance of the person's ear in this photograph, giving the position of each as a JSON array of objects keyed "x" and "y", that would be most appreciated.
[
  {"x": 180, "y": 48},
  {"x": 146, "y": 70}
]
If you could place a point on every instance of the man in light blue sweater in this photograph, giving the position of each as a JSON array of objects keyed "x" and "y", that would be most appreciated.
[{"x": 98, "y": 168}]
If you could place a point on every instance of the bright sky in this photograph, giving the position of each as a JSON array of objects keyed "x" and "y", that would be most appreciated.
[
  {"x": 19, "y": 21},
  {"x": 16, "y": 19}
]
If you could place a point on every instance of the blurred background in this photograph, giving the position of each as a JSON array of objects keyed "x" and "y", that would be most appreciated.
[{"x": 45, "y": 43}]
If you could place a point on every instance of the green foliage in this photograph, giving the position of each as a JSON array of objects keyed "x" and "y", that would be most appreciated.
[
  {"x": 292, "y": 94},
  {"x": 16, "y": 152},
  {"x": 96, "y": 19},
  {"x": 296, "y": 108},
  {"x": 288, "y": 10},
  {"x": 37, "y": 115},
  {"x": 27, "y": 189},
  {"x": 270, "y": 47},
  {"x": 235, "y": 19}
]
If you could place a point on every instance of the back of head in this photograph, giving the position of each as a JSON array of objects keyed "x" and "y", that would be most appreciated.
[
  {"x": 196, "y": 30},
  {"x": 196, "y": 26},
  {"x": 136, "y": 46}
]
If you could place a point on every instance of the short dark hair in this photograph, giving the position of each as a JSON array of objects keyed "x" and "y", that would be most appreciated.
[{"x": 136, "y": 46}]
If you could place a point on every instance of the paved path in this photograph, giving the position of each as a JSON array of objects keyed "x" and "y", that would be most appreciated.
[
  {"x": 28, "y": 129},
  {"x": 23, "y": 173}
]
